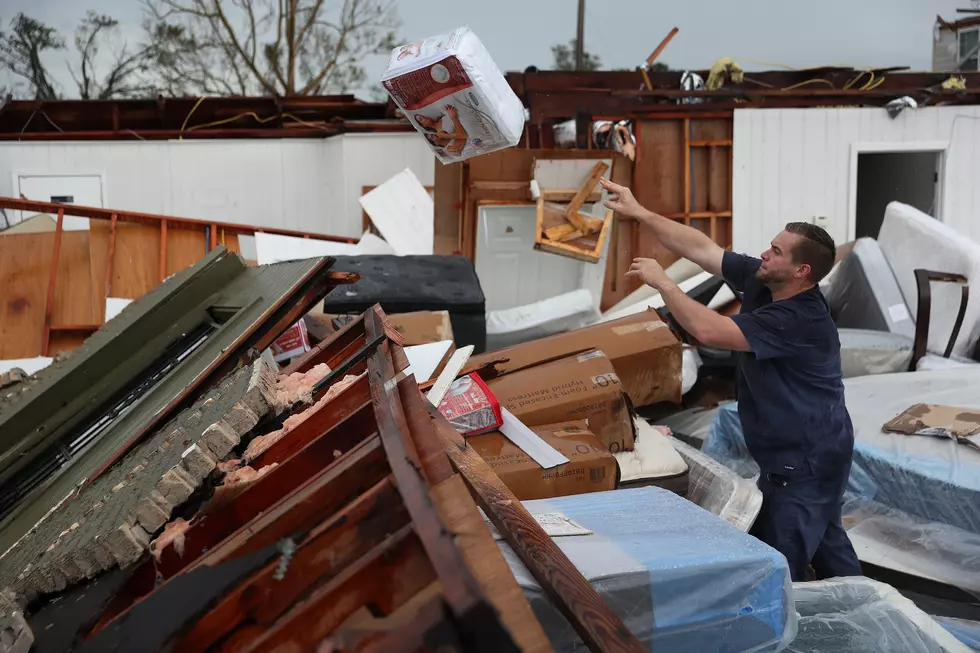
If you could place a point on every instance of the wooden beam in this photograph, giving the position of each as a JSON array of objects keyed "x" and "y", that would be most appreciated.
[
  {"x": 163, "y": 250},
  {"x": 330, "y": 349},
  {"x": 369, "y": 580},
  {"x": 687, "y": 171},
  {"x": 110, "y": 256},
  {"x": 52, "y": 282},
  {"x": 710, "y": 143},
  {"x": 593, "y": 620},
  {"x": 153, "y": 220},
  {"x": 572, "y": 210},
  {"x": 361, "y": 526},
  {"x": 457, "y": 583}
]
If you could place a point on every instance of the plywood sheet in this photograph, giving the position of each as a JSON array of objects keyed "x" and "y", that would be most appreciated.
[
  {"x": 447, "y": 204},
  {"x": 98, "y": 253},
  {"x": 136, "y": 263},
  {"x": 24, "y": 269},
  {"x": 658, "y": 178},
  {"x": 185, "y": 247},
  {"x": 73, "y": 298}
]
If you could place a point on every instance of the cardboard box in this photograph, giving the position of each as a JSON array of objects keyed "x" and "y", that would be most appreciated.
[
  {"x": 589, "y": 468},
  {"x": 574, "y": 388},
  {"x": 422, "y": 327},
  {"x": 643, "y": 351}
]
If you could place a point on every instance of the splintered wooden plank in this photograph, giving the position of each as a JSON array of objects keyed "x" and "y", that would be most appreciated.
[
  {"x": 354, "y": 400},
  {"x": 459, "y": 588},
  {"x": 361, "y": 526},
  {"x": 459, "y": 512},
  {"x": 368, "y": 581},
  {"x": 332, "y": 349},
  {"x": 348, "y": 477},
  {"x": 314, "y": 502},
  {"x": 572, "y": 210},
  {"x": 593, "y": 620}
]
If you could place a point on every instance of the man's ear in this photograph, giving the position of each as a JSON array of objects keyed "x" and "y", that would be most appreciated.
[{"x": 803, "y": 272}]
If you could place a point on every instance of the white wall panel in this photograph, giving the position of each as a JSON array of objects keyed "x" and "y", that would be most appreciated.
[
  {"x": 793, "y": 164},
  {"x": 306, "y": 185}
]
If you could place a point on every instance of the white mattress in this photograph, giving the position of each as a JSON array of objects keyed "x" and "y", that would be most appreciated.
[
  {"x": 864, "y": 293},
  {"x": 911, "y": 239},
  {"x": 655, "y": 301},
  {"x": 513, "y": 326},
  {"x": 680, "y": 270},
  {"x": 652, "y": 457}
]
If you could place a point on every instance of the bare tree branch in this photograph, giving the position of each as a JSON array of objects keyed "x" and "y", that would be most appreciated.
[{"x": 21, "y": 50}]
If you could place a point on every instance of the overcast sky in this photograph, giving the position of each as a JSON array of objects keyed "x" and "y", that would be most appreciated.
[{"x": 519, "y": 33}]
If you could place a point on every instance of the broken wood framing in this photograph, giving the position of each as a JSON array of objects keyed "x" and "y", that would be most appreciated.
[{"x": 367, "y": 514}]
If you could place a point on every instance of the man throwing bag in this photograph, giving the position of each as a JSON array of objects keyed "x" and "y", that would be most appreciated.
[{"x": 791, "y": 393}]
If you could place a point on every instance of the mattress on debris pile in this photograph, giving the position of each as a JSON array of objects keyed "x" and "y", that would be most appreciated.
[
  {"x": 910, "y": 239},
  {"x": 718, "y": 489},
  {"x": 934, "y": 478},
  {"x": 864, "y": 293},
  {"x": 859, "y": 615},
  {"x": 513, "y": 326},
  {"x": 405, "y": 284},
  {"x": 652, "y": 462},
  {"x": 681, "y": 579},
  {"x": 864, "y": 352}
]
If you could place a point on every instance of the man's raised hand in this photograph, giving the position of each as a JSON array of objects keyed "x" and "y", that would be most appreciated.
[{"x": 621, "y": 199}]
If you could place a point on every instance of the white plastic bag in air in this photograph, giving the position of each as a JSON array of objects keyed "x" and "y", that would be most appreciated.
[{"x": 453, "y": 94}]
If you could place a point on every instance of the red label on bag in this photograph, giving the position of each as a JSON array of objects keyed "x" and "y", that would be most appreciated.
[
  {"x": 470, "y": 406},
  {"x": 293, "y": 342}
]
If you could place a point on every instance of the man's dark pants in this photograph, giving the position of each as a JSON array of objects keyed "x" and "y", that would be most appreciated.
[{"x": 801, "y": 518}]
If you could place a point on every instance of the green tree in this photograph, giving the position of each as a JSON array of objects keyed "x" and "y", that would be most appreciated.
[{"x": 564, "y": 56}]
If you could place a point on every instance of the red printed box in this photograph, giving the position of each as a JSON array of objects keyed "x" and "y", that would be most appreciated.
[
  {"x": 293, "y": 342},
  {"x": 470, "y": 406}
]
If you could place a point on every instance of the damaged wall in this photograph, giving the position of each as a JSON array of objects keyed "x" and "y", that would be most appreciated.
[
  {"x": 305, "y": 185},
  {"x": 793, "y": 164}
]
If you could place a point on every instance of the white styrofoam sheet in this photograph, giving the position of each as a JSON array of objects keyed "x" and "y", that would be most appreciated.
[
  {"x": 513, "y": 326},
  {"x": 114, "y": 306},
  {"x": 403, "y": 211},
  {"x": 655, "y": 301}
]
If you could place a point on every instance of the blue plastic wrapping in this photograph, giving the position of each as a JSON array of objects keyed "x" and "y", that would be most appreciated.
[
  {"x": 726, "y": 444},
  {"x": 858, "y": 615},
  {"x": 968, "y": 632},
  {"x": 913, "y": 501},
  {"x": 679, "y": 577}
]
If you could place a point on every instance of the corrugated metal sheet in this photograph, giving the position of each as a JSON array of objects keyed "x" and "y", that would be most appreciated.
[
  {"x": 792, "y": 164},
  {"x": 306, "y": 185}
]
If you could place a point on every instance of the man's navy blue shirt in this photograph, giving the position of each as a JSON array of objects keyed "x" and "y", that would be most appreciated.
[{"x": 791, "y": 392}]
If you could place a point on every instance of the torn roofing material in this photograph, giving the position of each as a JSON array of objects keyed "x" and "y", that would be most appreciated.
[{"x": 236, "y": 310}]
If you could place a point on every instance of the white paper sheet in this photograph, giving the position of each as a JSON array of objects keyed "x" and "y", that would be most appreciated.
[
  {"x": 423, "y": 360},
  {"x": 403, "y": 211}
]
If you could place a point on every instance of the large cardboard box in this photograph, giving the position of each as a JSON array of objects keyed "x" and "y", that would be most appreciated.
[
  {"x": 589, "y": 468},
  {"x": 578, "y": 387},
  {"x": 642, "y": 349}
]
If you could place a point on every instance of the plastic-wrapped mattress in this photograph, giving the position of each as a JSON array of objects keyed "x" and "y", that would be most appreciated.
[
  {"x": 864, "y": 352},
  {"x": 911, "y": 239},
  {"x": 936, "y": 479},
  {"x": 404, "y": 284},
  {"x": 858, "y": 615},
  {"x": 864, "y": 293},
  {"x": 718, "y": 489},
  {"x": 680, "y": 579}
]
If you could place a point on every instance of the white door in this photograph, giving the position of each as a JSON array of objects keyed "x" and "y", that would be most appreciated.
[
  {"x": 511, "y": 271},
  {"x": 84, "y": 190}
]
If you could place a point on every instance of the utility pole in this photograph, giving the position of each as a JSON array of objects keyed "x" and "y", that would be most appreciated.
[{"x": 580, "y": 39}]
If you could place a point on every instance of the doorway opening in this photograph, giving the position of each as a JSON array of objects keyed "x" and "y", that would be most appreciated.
[{"x": 912, "y": 178}]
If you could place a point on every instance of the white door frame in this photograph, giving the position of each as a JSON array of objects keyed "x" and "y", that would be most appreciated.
[
  {"x": 17, "y": 174},
  {"x": 892, "y": 147}
]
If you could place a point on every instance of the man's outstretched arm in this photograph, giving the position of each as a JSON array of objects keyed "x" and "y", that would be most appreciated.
[
  {"x": 686, "y": 242},
  {"x": 707, "y": 326}
]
